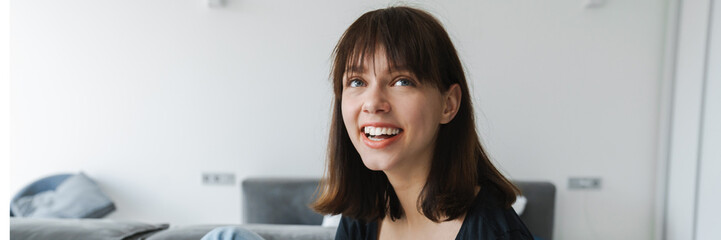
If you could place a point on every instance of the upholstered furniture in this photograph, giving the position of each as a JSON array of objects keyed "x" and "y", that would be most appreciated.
[
  {"x": 62, "y": 196},
  {"x": 275, "y": 208},
  {"x": 286, "y": 200}
]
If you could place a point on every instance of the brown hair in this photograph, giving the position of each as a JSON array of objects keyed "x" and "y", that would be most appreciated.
[{"x": 414, "y": 39}]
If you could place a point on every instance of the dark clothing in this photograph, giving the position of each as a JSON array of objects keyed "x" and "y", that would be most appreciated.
[{"x": 486, "y": 219}]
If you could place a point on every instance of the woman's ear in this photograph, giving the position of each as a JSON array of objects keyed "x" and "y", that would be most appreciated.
[{"x": 451, "y": 103}]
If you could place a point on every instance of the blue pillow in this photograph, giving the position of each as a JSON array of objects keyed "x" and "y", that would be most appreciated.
[{"x": 76, "y": 197}]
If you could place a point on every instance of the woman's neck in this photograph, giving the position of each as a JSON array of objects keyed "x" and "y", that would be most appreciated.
[{"x": 408, "y": 184}]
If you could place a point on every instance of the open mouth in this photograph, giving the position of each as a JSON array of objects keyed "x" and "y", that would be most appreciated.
[{"x": 381, "y": 133}]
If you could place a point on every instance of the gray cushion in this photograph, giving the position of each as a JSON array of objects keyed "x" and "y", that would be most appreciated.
[
  {"x": 539, "y": 212},
  {"x": 280, "y": 201},
  {"x": 194, "y": 232},
  {"x": 76, "y": 197},
  {"x": 283, "y": 232},
  {"x": 79, "y": 229}
]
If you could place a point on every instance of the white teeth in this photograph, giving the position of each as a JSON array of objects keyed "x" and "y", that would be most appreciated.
[{"x": 375, "y": 131}]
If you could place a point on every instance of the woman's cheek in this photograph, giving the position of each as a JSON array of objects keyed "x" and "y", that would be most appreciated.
[{"x": 349, "y": 115}]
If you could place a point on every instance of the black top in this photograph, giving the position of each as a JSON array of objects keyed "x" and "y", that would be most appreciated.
[{"x": 486, "y": 219}]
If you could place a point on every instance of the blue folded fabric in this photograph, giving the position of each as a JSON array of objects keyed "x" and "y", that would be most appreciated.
[{"x": 76, "y": 197}]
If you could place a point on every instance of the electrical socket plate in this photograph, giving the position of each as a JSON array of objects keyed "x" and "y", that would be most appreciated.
[
  {"x": 583, "y": 183},
  {"x": 218, "y": 179}
]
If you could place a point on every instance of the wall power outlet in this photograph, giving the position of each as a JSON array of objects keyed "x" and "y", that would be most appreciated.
[
  {"x": 584, "y": 183},
  {"x": 219, "y": 179}
]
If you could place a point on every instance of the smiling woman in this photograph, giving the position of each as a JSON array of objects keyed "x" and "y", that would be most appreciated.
[{"x": 405, "y": 161}]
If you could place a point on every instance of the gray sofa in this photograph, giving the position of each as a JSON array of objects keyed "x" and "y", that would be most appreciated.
[
  {"x": 275, "y": 208},
  {"x": 285, "y": 201}
]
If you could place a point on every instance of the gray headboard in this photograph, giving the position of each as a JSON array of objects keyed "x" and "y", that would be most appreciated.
[
  {"x": 539, "y": 212},
  {"x": 279, "y": 201},
  {"x": 286, "y": 201}
]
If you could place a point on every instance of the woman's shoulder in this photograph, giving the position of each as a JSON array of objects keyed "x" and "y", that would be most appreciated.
[
  {"x": 489, "y": 219},
  {"x": 350, "y": 228}
]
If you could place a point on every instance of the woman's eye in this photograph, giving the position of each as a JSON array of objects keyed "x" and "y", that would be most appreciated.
[
  {"x": 355, "y": 83},
  {"x": 403, "y": 82}
]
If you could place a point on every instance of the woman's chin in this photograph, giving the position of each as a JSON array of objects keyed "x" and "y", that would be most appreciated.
[{"x": 377, "y": 164}]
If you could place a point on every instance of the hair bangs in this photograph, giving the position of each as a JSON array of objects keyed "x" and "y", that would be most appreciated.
[{"x": 406, "y": 49}]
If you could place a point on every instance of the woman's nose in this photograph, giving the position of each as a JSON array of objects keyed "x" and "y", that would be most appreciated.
[{"x": 376, "y": 102}]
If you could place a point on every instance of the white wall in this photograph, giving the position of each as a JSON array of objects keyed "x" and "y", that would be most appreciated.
[
  {"x": 695, "y": 160},
  {"x": 709, "y": 196},
  {"x": 145, "y": 95},
  {"x": 4, "y": 112}
]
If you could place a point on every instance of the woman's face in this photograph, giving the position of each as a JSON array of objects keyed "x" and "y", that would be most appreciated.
[{"x": 391, "y": 118}]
